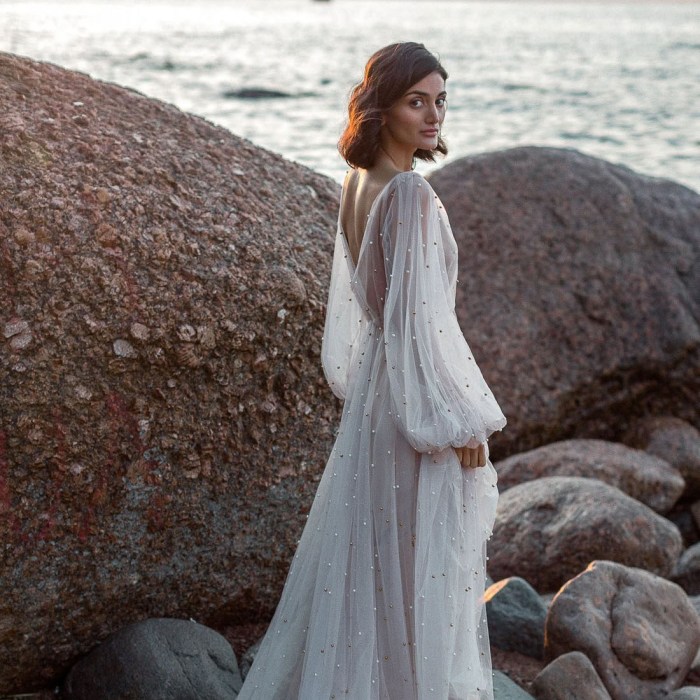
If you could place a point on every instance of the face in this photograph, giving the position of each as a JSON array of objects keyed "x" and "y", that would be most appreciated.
[{"x": 414, "y": 120}]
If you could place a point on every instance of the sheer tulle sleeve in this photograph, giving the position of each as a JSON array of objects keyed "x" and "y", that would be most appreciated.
[
  {"x": 439, "y": 396},
  {"x": 343, "y": 321}
]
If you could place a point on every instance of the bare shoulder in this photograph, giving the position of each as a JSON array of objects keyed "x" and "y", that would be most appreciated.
[
  {"x": 406, "y": 181},
  {"x": 365, "y": 186},
  {"x": 374, "y": 181}
]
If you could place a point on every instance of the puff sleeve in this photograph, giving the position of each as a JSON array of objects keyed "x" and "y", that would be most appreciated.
[
  {"x": 342, "y": 323},
  {"x": 438, "y": 394}
]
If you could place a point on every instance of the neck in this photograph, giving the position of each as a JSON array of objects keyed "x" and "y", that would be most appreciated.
[{"x": 398, "y": 157}]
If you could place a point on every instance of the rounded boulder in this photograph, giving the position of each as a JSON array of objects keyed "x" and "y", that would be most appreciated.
[
  {"x": 578, "y": 290},
  {"x": 644, "y": 477},
  {"x": 639, "y": 630},
  {"x": 673, "y": 440},
  {"x": 157, "y": 659},
  {"x": 549, "y": 529},
  {"x": 570, "y": 676}
]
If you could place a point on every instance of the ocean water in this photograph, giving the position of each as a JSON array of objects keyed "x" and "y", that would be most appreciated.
[{"x": 618, "y": 80}]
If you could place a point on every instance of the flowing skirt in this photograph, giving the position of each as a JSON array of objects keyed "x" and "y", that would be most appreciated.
[{"x": 384, "y": 595}]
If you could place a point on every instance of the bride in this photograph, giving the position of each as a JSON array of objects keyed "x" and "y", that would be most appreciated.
[{"x": 384, "y": 595}]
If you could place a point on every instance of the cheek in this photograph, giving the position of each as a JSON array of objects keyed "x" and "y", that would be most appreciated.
[
  {"x": 405, "y": 122},
  {"x": 406, "y": 118}
]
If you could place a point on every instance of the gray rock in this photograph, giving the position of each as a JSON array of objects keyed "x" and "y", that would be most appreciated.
[
  {"x": 550, "y": 529},
  {"x": 643, "y": 476},
  {"x": 695, "y": 602},
  {"x": 248, "y": 657},
  {"x": 686, "y": 693},
  {"x": 586, "y": 272},
  {"x": 547, "y": 598},
  {"x": 516, "y": 614},
  {"x": 255, "y": 93},
  {"x": 157, "y": 659},
  {"x": 505, "y": 689},
  {"x": 570, "y": 676},
  {"x": 687, "y": 571},
  {"x": 639, "y": 630}
]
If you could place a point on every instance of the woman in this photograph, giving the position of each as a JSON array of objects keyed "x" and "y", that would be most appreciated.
[{"x": 384, "y": 595}]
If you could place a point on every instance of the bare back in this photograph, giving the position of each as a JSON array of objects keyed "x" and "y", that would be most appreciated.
[{"x": 360, "y": 189}]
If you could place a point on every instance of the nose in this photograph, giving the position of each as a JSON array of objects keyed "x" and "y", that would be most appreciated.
[{"x": 433, "y": 115}]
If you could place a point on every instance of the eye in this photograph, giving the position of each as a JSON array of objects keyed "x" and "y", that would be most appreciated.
[
  {"x": 441, "y": 102},
  {"x": 416, "y": 102}
]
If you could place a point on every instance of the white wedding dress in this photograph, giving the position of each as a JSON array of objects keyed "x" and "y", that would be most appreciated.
[{"x": 384, "y": 596}]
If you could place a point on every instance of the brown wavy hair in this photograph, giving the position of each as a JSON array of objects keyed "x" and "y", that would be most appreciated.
[{"x": 389, "y": 73}]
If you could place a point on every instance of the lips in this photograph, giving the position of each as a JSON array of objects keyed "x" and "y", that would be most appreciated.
[{"x": 430, "y": 132}]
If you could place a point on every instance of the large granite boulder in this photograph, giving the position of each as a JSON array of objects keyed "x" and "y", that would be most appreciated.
[
  {"x": 639, "y": 630},
  {"x": 548, "y": 530},
  {"x": 647, "y": 478},
  {"x": 164, "y": 416},
  {"x": 157, "y": 659},
  {"x": 577, "y": 291}
]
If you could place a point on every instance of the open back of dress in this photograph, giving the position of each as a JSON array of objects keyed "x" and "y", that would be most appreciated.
[{"x": 384, "y": 596}]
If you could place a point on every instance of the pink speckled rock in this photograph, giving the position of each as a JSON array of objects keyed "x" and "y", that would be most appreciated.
[
  {"x": 578, "y": 291},
  {"x": 570, "y": 676},
  {"x": 648, "y": 478},
  {"x": 549, "y": 529},
  {"x": 164, "y": 416},
  {"x": 673, "y": 440},
  {"x": 639, "y": 630}
]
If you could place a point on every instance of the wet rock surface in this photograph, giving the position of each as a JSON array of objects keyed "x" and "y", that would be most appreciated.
[
  {"x": 164, "y": 413},
  {"x": 642, "y": 476},
  {"x": 639, "y": 630},
  {"x": 548, "y": 530},
  {"x": 157, "y": 659},
  {"x": 577, "y": 290}
]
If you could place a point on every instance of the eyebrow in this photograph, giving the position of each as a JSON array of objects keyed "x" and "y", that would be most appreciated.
[{"x": 423, "y": 94}]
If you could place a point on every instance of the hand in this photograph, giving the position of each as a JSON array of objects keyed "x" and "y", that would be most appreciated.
[{"x": 471, "y": 457}]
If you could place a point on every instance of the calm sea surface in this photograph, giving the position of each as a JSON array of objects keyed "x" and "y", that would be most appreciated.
[{"x": 615, "y": 80}]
